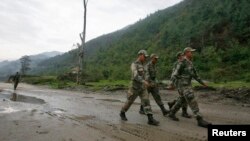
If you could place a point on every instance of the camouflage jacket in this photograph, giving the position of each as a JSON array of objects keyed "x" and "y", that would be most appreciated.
[
  {"x": 173, "y": 79},
  {"x": 139, "y": 75},
  {"x": 185, "y": 72},
  {"x": 152, "y": 74}
]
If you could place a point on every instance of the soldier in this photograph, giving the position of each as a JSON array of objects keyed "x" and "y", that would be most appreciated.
[
  {"x": 138, "y": 87},
  {"x": 174, "y": 84},
  {"x": 153, "y": 86},
  {"x": 16, "y": 80},
  {"x": 185, "y": 71}
]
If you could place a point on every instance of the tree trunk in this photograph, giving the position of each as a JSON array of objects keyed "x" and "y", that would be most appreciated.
[{"x": 82, "y": 46}]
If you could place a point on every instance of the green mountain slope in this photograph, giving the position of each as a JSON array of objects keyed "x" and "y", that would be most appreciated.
[{"x": 218, "y": 29}]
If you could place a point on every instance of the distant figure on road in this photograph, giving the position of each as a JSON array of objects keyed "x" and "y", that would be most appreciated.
[
  {"x": 16, "y": 80},
  {"x": 139, "y": 88}
]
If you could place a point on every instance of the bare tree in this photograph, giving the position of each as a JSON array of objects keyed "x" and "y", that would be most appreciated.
[
  {"x": 80, "y": 63},
  {"x": 25, "y": 64},
  {"x": 81, "y": 47}
]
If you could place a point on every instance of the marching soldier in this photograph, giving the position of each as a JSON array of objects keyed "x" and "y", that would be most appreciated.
[
  {"x": 138, "y": 87},
  {"x": 153, "y": 86},
  {"x": 174, "y": 84},
  {"x": 185, "y": 72}
]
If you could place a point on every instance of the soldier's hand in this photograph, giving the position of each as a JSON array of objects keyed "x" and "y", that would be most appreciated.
[
  {"x": 146, "y": 83},
  {"x": 152, "y": 84},
  {"x": 171, "y": 87}
]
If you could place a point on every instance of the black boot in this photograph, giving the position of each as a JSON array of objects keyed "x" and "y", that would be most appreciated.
[
  {"x": 164, "y": 110},
  {"x": 123, "y": 116},
  {"x": 173, "y": 117},
  {"x": 184, "y": 113},
  {"x": 142, "y": 110},
  {"x": 201, "y": 122},
  {"x": 152, "y": 121},
  {"x": 171, "y": 104}
]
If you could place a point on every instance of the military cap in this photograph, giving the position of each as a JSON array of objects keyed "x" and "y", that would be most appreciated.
[
  {"x": 154, "y": 56},
  {"x": 143, "y": 52},
  {"x": 178, "y": 54},
  {"x": 188, "y": 49}
]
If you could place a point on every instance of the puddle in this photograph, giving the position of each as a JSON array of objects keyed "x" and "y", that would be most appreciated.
[
  {"x": 26, "y": 99},
  {"x": 111, "y": 100},
  {"x": 58, "y": 111},
  {"x": 8, "y": 110},
  {"x": 55, "y": 112}
]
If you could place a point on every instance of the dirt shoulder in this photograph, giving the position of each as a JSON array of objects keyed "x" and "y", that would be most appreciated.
[{"x": 40, "y": 113}]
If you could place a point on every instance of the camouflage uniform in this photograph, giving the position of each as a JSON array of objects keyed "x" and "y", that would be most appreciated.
[
  {"x": 184, "y": 72},
  {"x": 137, "y": 88},
  {"x": 175, "y": 81},
  {"x": 153, "y": 89}
]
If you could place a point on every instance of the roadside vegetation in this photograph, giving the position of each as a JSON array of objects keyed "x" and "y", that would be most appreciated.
[{"x": 111, "y": 85}]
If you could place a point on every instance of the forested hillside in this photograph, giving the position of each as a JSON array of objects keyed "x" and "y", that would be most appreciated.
[{"x": 218, "y": 29}]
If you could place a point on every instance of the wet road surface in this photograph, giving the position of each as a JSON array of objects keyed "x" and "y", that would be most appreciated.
[{"x": 34, "y": 113}]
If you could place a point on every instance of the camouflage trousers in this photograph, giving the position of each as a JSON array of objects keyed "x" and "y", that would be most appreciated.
[
  {"x": 184, "y": 104},
  {"x": 186, "y": 96},
  {"x": 132, "y": 95},
  {"x": 156, "y": 95}
]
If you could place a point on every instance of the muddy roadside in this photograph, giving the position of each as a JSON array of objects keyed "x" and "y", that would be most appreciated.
[{"x": 230, "y": 96}]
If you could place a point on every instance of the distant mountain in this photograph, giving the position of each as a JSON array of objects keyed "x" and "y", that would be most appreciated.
[
  {"x": 218, "y": 29},
  {"x": 45, "y": 55},
  {"x": 10, "y": 67}
]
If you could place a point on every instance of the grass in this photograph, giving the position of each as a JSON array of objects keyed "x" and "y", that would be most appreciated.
[
  {"x": 46, "y": 80},
  {"x": 112, "y": 84},
  {"x": 39, "y": 80},
  {"x": 107, "y": 83}
]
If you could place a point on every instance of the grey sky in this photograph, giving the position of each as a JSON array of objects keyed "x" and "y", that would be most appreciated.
[{"x": 34, "y": 26}]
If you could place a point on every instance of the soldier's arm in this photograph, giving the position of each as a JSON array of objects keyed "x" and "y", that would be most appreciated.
[
  {"x": 176, "y": 73},
  {"x": 172, "y": 81},
  {"x": 172, "y": 74},
  {"x": 135, "y": 74},
  {"x": 197, "y": 78},
  {"x": 148, "y": 72}
]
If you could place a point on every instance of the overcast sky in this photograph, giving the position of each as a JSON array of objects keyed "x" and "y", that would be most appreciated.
[{"x": 34, "y": 26}]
